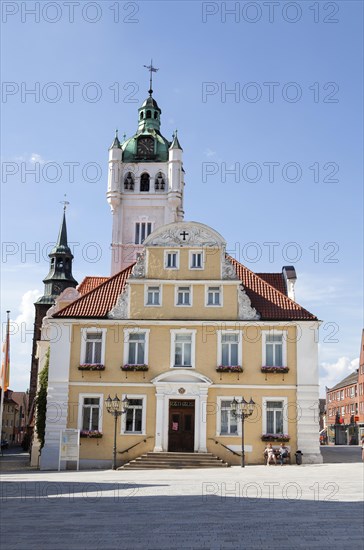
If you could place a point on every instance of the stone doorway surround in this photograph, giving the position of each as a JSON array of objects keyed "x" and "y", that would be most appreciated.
[{"x": 181, "y": 384}]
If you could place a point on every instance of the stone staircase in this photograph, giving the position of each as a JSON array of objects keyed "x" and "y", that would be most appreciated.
[{"x": 180, "y": 461}]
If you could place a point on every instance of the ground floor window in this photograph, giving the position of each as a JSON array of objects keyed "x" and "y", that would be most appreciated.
[
  {"x": 134, "y": 417},
  {"x": 228, "y": 424}
]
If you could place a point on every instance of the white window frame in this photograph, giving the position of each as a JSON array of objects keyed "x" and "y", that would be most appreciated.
[
  {"x": 81, "y": 398},
  {"x": 219, "y": 345},
  {"x": 190, "y": 255},
  {"x": 174, "y": 332},
  {"x": 221, "y": 398},
  {"x": 146, "y": 291},
  {"x": 176, "y": 295},
  {"x": 265, "y": 400},
  {"x": 207, "y": 295},
  {"x": 127, "y": 332},
  {"x": 144, "y": 415},
  {"x": 84, "y": 332},
  {"x": 282, "y": 333},
  {"x": 166, "y": 252}
]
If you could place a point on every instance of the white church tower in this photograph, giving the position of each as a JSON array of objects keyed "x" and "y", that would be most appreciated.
[{"x": 145, "y": 184}]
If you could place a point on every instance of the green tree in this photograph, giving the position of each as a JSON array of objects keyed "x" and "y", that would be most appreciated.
[{"x": 41, "y": 401}]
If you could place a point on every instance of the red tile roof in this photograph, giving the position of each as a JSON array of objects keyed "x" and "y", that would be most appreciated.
[
  {"x": 100, "y": 300},
  {"x": 275, "y": 279},
  {"x": 266, "y": 292},
  {"x": 267, "y": 300},
  {"x": 89, "y": 283}
]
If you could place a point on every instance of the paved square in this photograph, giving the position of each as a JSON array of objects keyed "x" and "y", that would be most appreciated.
[{"x": 312, "y": 506}]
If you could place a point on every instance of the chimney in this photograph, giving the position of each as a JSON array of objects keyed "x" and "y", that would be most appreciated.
[{"x": 290, "y": 278}]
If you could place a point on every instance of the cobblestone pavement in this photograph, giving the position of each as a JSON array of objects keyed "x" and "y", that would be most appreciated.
[
  {"x": 341, "y": 453},
  {"x": 290, "y": 507}
]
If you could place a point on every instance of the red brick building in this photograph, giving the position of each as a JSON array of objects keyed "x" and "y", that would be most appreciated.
[{"x": 361, "y": 389}]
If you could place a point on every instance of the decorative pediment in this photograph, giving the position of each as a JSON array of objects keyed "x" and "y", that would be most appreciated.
[
  {"x": 181, "y": 376},
  {"x": 121, "y": 308},
  {"x": 185, "y": 234},
  {"x": 138, "y": 271},
  {"x": 246, "y": 312}
]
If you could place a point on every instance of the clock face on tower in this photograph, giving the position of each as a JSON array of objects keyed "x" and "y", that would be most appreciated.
[{"x": 145, "y": 147}]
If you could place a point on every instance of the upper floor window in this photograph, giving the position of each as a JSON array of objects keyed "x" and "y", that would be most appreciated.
[
  {"x": 153, "y": 296},
  {"x": 171, "y": 260},
  {"x": 160, "y": 183},
  {"x": 213, "y": 296},
  {"x": 136, "y": 348},
  {"x": 183, "y": 350},
  {"x": 183, "y": 296},
  {"x": 196, "y": 260},
  {"x": 142, "y": 230},
  {"x": 144, "y": 182},
  {"x": 230, "y": 349},
  {"x": 273, "y": 349},
  {"x": 92, "y": 346},
  {"x": 129, "y": 182}
]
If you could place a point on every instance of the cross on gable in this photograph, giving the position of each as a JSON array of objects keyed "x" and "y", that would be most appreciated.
[{"x": 184, "y": 235}]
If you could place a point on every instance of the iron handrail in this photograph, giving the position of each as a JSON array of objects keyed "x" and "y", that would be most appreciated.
[
  {"x": 135, "y": 444},
  {"x": 218, "y": 442}
]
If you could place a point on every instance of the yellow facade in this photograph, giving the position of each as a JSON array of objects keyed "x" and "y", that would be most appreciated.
[{"x": 199, "y": 383}]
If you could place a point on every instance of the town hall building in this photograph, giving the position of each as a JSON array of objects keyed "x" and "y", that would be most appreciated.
[{"x": 180, "y": 329}]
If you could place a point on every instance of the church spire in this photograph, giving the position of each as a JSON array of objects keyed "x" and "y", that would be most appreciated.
[
  {"x": 116, "y": 143},
  {"x": 175, "y": 143},
  {"x": 60, "y": 270}
]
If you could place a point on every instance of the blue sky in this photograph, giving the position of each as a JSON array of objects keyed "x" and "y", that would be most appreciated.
[{"x": 296, "y": 108}]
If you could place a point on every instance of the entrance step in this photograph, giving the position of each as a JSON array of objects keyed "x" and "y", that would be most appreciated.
[{"x": 156, "y": 461}]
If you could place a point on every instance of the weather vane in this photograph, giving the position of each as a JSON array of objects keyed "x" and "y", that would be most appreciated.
[
  {"x": 152, "y": 70},
  {"x": 65, "y": 203}
]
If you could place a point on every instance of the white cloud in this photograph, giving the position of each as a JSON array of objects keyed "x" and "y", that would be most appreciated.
[
  {"x": 332, "y": 373},
  {"x": 209, "y": 153},
  {"x": 35, "y": 157}
]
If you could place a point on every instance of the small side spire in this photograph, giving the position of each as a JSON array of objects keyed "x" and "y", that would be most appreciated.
[
  {"x": 116, "y": 143},
  {"x": 175, "y": 143}
]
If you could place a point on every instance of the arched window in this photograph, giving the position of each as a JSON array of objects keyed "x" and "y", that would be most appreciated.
[
  {"x": 155, "y": 114},
  {"x": 149, "y": 114},
  {"x": 141, "y": 115},
  {"x": 144, "y": 182},
  {"x": 129, "y": 182},
  {"x": 159, "y": 182}
]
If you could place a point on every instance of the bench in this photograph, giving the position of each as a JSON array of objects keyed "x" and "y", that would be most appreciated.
[{"x": 286, "y": 460}]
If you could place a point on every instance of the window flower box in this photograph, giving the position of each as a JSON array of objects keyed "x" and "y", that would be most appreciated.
[
  {"x": 282, "y": 438},
  {"x": 228, "y": 368},
  {"x": 282, "y": 370},
  {"x": 94, "y": 434},
  {"x": 91, "y": 366},
  {"x": 132, "y": 368}
]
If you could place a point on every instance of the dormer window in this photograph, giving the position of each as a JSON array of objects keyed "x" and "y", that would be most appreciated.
[
  {"x": 160, "y": 182},
  {"x": 129, "y": 182},
  {"x": 144, "y": 182}
]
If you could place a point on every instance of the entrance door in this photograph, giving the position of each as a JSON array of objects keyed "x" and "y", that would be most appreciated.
[{"x": 181, "y": 430}]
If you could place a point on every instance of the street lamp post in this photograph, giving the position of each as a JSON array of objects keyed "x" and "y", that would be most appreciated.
[
  {"x": 116, "y": 408},
  {"x": 242, "y": 410}
]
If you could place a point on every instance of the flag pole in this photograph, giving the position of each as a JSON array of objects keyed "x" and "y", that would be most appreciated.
[{"x": 4, "y": 372}]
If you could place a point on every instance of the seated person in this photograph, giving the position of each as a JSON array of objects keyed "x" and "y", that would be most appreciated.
[
  {"x": 269, "y": 453},
  {"x": 283, "y": 453}
]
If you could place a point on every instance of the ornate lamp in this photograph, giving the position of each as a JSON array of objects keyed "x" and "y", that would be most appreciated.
[
  {"x": 116, "y": 408},
  {"x": 241, "y": 410}
]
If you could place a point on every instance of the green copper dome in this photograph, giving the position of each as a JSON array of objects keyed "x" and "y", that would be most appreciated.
[{"x": 147, "y": 144}]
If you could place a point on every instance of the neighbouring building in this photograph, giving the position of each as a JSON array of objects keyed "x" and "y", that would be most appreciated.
[
  {"x": 10, "y": 417},
  {"x": 179, "y": 327}
]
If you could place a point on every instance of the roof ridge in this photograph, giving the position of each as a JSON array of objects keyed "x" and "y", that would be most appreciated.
[
  {"x": 230, "y": 258},
  {"x": 97, "y": 288}
]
